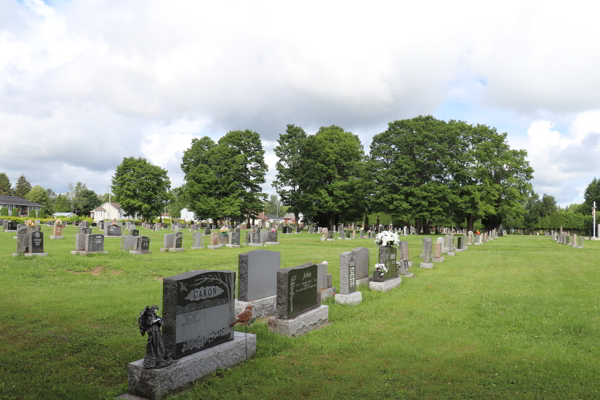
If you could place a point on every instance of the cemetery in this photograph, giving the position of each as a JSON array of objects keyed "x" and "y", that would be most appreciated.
[{"x": 311, "y": 302}]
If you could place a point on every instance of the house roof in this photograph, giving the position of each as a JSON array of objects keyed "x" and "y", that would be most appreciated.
[
  {"x": 18, "y": 201},
  {"x": 289, "y": 216},
  {"x": 274, "y": 217},
  {"x": 99, "y": 209},
  {"x": 62, "y": 214}
]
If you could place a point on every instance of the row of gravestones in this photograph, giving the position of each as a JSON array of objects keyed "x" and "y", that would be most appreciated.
[
  {"x": 199, "y": 312},
  {"x": 570, "y": 240},
  {"x": 450, "y": 245}
]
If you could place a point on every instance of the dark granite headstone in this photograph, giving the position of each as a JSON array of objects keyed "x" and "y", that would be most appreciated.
[
  {"x": 94, "y": 243},
  {"x": 387, "y": 257},
  {"x": 86, "y": 231},
  {"x": 255, "y": 237},
  {"x": 113, "y": 230},
  {"x": 198, "y": 307},
  {"x": 258, "y": 274},
  {"x": 272, "y": 236},
  {"x": 296, "y": 290},
  {"x": 135, "y": 232},
  {"x": 165, "y": 226},
  {"x": 36, "y": 241},
  {"x": 142, "y": 244},
  {"x": 178, "y": 240},
  {"x": 11, "y": 226},
  {"x": 206, "y": 231}
]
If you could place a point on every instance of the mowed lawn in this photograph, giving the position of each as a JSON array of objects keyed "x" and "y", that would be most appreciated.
[{"x": 515, "y": 318}]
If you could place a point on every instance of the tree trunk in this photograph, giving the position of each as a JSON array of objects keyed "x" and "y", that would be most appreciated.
[
  {"x": 418, "y": 225},
  {"x": 366, "y": 223},
  {"x": 297, "y": 218},
  {"x": 426, "y": 227},
  {"x": 470, "y": 222}
]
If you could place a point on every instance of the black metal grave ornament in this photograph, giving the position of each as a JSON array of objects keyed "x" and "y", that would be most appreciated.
[{"x": 156, "y": 355}]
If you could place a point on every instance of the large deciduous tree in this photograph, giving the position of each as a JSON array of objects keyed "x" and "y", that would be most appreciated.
[
  {"x": 591, "y": 194},
  {"x": 23, "y": 187},
  {"x": 39, "y": 195},
  {"x": 292, "y": 167},
  {"x": 223, "y": 180},
  {"x": 141, "y": 188}
]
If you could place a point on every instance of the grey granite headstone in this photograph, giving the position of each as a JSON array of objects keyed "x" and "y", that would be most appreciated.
[
  {"x": 347, "y": 273},
  {"x": 322, "y": 276},
  {"x": 272, "y": 236},
  {"x": 264, "y": 236},
  {"x": 112, "y": 230},
  {"x": 178, "y": 240},
  {"x": 94, "y": 243},
  {"x": 235, "y": 238},
  {"x": 198, "y": 307},
  {"x": 168, "y": 240},
  {"x": 361, "y": 256},
  {"x": 428, "y": 248},
  {"x": 198, "y": 240},
  {"x": 296, "y": 290},
  {"x": 80, "y": 242},
  {"x": 258, "y": 274}
]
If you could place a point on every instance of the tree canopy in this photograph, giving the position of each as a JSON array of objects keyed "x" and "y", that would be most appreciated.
[
  {"x": 23, "y": 187},
  {"x": 141, "y": 188},
  {"x": 5, "y": 187}
]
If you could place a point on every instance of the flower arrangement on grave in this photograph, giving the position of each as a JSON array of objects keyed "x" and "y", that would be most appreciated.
[
  {"x": 58, "y": 222},
  {"x": 30, "y": 223},
  {"x": 224, "y": 231},
  {"x": 273, "y": 230},
  {"x": 388, "y": 239},
  {"x": 381, "y": 269}
]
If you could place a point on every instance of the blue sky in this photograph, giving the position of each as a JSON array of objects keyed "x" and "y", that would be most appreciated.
[{"x": 84, "y": 84}]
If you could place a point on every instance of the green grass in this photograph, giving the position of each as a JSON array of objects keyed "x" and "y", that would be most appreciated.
[{"x": 516, "y": 318}]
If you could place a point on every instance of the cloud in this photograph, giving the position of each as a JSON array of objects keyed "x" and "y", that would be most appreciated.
[
  {"x": 84, "y": 84},
  {"x": 565, "y": 163}
]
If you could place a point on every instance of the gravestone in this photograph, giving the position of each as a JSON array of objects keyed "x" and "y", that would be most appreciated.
[
  {"x": 451, "y": 246},
  {"x": 459, "y": 244},
  {"x": 94, "y": 243},
  {"x": 361, "y": 255},
  {"x": 404, "y": 252},
  {"x": 112, "y": 230},
  {"x": 142, "y": 245},
  {"x": 57, "y": 232},
  {"x": 197, "y": 240},
  {"x": 477, "y": 240},
  {"x": 387, "y": 257},
  {"x": 198, "y": 308},
  {"x": 347, "y": 273},
  {"x": 215, "y": 242},
  {"x": 258, "y": 274},
  {"x": 128, "y": 242},
  {"x": 427, "y": 248},
  {"x": 234, "y": 239},
  {"x": 437, "y": 257},
  {"x": 36, "y": 243},
  {"x": 296, "y": 290},
  {"x": 223, "y": 239},
  {"x": 271, "y": 238}
]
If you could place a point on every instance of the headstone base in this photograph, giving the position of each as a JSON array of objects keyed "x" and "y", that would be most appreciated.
[
  {"x": 351, "y": 299},
  {"x": 386, "y": 286},
  {"x": 254, "y": 244},
  {"x": 167, "y": 249},
  {"x": 466, "y": 248},
  {"x": 232, "y": 246},
  {"x": 302, "y": 324},
  {"x": 261, "y": 308},
  {"x": 410, "y": 264},
  {"x": 322, "y": 239},
  {"x": 29, "y": 254},
  {"x": 450, "y": 253},
  {"x": 409, "y": 275},
  {"x": 324, "y": 294},
  {"x": 155, "y": 384},
  {"x": 139, "y": 252},
  {"x": 330, "y": 240},
  {"x": 421, "y": 255},
  {"x": 459, "y": 250},
  {"x": 477, "y": 244},
  {"x": 197, "y": 248},
  {"x": 437, "y": 259},
  {"x": 85, "y": 253},
  {"x": 56, "y": 237},
  {"x": 426, "y": 265},
  {"x": 363, "y": 281},
  {"x": 271, "y": 243},
  {"x": 214, "y": 246}
]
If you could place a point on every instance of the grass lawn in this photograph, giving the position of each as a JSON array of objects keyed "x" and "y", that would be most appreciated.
[{"x": 515, "y": 318}]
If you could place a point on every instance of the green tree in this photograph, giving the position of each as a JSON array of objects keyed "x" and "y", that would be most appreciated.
[
  {"x": 224, "y": 180},
  {"x": 83, "y": 199},
  {"x": 177, "y": 202},
  {"x": 331, "y": 185},
  {"x": 274, "y": 206},
  {"x": 5, "y": 188},
  {"x": 292, "y": 167},
  {"x": 142, "y": 188},
  {"x": 39, "y": 195},
  {"x": 591, "y": 195},
  {"x": 23, "y": 187},
  {"x": 409, "y": 163},
  {"x": 62, "y": 204}
]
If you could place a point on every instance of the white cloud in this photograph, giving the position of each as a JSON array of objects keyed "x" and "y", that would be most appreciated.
[{"x": 84, "y": 84}]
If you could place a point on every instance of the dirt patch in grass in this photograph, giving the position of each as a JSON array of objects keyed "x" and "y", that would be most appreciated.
[
  {"x": 95, "y": 272},
  {"x": 158, "y": 279}
]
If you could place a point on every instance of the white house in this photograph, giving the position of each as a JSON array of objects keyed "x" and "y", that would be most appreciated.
[
  {"x": 187, "y": 215},
  {"x": 110, "y": 211}
]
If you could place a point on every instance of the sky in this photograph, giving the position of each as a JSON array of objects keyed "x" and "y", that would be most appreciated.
[{"x": 85, "y": 83}]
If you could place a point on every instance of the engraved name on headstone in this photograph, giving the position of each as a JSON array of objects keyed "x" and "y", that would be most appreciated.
[
  {"x": 296, "y": 290},
  {"x": 347, "y": 273}
]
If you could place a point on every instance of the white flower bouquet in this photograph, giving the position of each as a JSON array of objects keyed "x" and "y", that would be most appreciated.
[
  {"x": 381, "y": 269},
  {"x": 386, "y": 238}
]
